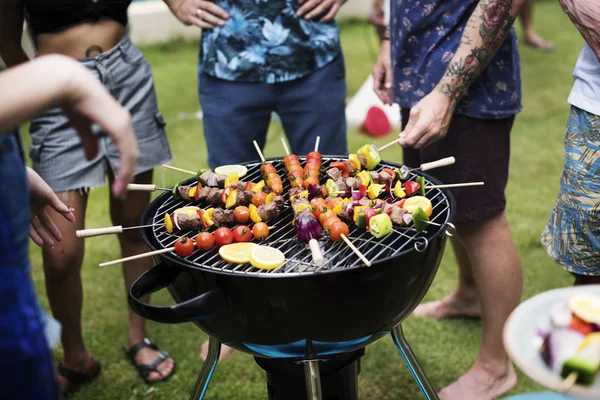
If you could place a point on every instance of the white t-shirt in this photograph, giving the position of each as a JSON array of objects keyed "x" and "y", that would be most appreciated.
[{"x": 586, "y": 89}]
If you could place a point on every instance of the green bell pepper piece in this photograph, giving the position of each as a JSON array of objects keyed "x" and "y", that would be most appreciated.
[
  {"x": 332, "y": 188},
  {"x": 421, "y": 181},
  {"x": 380, "y": 225},
  {"x": 420, "y": 219},
  {"x": 175, "y": 190}
]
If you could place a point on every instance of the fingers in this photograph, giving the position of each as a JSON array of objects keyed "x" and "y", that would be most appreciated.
[
  {"x": 415, "y": 129},
  {"x": 39, "y": 235},
  {"x": 49, "y": 225},
  {"x": 331, "y": 14},
  {"x": 314, "y": 8},
  {"x": 34, "y": 236},
  {"x": 124, "y": 138},
  {"x": 205, "y": 14},
  {"x": 60, "y": 207},
  {"x": 214, "y": 9},
  {"x": 382, "y": 84}
]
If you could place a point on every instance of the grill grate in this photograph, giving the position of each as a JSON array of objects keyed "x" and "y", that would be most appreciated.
[{"x": 298, "y": 256}]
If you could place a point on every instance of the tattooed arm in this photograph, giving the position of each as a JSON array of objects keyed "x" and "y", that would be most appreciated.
[
  {"x": 482, "y": 37},
  {"x": 11, "y": 30}
]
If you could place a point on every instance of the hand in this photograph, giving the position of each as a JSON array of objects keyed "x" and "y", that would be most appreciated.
[
  {"x": 383, "y": 75},
  {"x": 88, "y": 102},
  {"x": 585, "y": 15},
  {"x": 428, "y": 121},
  {"x": 42, "y": 229},
  {"x": 310, "y": 9},
  {"x": 203, "y": 14}
]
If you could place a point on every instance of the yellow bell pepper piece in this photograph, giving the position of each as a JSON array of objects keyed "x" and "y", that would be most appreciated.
[
  {"x": 254, "y": 213},
  {"x": 257, "y": 187},
  {"x": 231, "y": 179},
  {"x": 207, "y": 216},
  {"x": 365, "y": 178},
  {"x": 398, "y": 190},
  {"x": 338, "y": 208},
  {"x": 270, "y": 197},
  {"x": 374, "y": 190},
  {"x": 168, "y": 223},
  {"x": 353, "y": 158},
  {"x": 192, "y": 192},
  {"x": 357, "y": 212},
  {"x": 231, "y": 199}
]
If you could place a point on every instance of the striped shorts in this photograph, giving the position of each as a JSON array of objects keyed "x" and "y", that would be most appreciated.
[
  {"x": 572, "y": 234},
  {"x": 56, "y": 151}
]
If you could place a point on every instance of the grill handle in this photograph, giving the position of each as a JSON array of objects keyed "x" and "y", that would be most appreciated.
[{"x": 204, "y": 306}]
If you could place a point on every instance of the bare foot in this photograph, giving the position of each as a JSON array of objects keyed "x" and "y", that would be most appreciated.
[
  {"x": 89, "y": 366},
  {"x": 147, "y": 356},
  {"x": 536, "y": 41},
  {"x": 225, "y": 351},
  {"x": 481, "y": 383},
  {"x": 452, "y": 306}
]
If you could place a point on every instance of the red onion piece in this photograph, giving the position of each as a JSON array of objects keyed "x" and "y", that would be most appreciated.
[
  {"x": 313, "y": 191},
  {"x": 356, "y": 195},
  {"x": 307, "y": 227}
]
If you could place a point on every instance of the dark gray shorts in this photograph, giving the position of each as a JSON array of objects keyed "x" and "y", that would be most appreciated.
[{"x": 56, "y": 150}]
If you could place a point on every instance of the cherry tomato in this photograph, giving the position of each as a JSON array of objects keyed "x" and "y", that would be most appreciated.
[
  {"x": 260, "y": 230},
  {"x": 223, "y": 236},
  {"x": 326, "y": 215},
  {"x": 328, "y": 222},
  {"x": 337, "y": 229},
  {"x": 184, "y": 246},
  {"x": 241, "y": 214},
  {"x": 259, "y": 198},
  {"x": 205, "y": 241},
  {"x": 242, "y": 233}
]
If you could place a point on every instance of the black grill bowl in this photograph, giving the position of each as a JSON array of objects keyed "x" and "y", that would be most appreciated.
[{"x": 299, "y": 316}]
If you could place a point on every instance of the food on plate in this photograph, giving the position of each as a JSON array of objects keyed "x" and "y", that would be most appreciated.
[
  {"x": 237, "y": 253},
  {"x": 184, "y": 246},
  {"x": 223, "y": 236},
  {"x": 265, "y": 257},
  {"x": 572, "y": 345},
  {"x": 204, "y": 241}
]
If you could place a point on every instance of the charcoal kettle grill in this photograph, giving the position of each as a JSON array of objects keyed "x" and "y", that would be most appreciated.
[{"x": 299, "y": 314}]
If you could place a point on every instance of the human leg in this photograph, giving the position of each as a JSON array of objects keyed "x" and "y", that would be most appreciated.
[
  {"x": 128, "y": 212},
  {"x": 234, "y": 114},
  {"x": 531, "y": 37},
  {"x": 306, "y": 113}
]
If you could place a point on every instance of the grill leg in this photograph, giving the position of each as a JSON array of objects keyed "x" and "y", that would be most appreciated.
[
  {"x": 313, "y": 380},
  {"x": 413, "y": 365},
  {"x": 208, "y": 368}
]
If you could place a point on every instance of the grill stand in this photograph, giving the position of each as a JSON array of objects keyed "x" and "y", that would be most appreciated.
[
  {"x": 312, "y": 374},
  {"x": 413, "y": 365}
]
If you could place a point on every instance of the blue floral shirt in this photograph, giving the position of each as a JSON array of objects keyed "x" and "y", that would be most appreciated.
[
  {"x": 264, "y": 41},
  {"x": 424, "y": 36}
]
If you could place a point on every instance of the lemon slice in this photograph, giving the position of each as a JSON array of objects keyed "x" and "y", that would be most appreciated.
[
  {"x": 412, "y": 203},
  {"x": 265, "y": 257},
  {"x": 237, "y": 253},
  {"x": 230, "y": 169},
  {"x": 586, "y": 306}
]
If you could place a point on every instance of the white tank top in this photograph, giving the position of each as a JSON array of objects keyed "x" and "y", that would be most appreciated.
[{"x": 586, "y": 89}]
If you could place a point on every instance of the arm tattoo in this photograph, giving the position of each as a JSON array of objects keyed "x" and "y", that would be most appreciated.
[{"x": 492, "y": 20}]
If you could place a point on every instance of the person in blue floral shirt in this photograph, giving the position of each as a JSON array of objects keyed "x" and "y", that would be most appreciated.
[
  {"x": 453, "y": 67},
  {"x": 259, "y": 57}
]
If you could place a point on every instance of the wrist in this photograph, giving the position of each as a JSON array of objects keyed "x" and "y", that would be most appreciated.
[{"x": 447, "y": 97}]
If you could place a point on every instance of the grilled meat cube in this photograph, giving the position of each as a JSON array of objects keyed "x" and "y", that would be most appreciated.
[
  {"x": 375, "y": 176},
  {"x": 397, "y": 215},
  {"x": 333, "y": 173},
  {"x": 350, "y": 167},
  {"x": 384, "y": 177},
  {"x": 223, "y": 217},
  {"x": 363, "y": 161},
  {"x": 344, "y": 213},
  {"x": 239, "y": 185},
  {"x": 300, "y": 201},
  {"x": 221, "y": 181},
  {"x": 183, "y": 192},
  {"x": 214, "y": 196},
  {"x": 186, "y": 222},
  {"x": 205, "y": 177},
  {"x": 341, "y": 184},
  {"x": 244, "y": 197},
  {"x": 352, "y": 183},
  {"x": 279, "y": 201},
  {"x": 365, "y": 202},
  {"x": 203, "y": 195},
  {"x": 385, "y": 207},
  {"x": 268, "y": 212}
]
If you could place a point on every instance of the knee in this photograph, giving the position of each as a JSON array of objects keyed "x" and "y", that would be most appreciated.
[{"x": 62, "y": 262}]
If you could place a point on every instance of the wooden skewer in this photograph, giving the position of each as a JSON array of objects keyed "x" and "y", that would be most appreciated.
[
  {"x": 317, "y": 255},
  {"x": 185, "y": 171},
  {"x": 389, "y": 144},
  {"x": 356, "y": 251},
  {"x": 568, "y": 383},
  {"x": 85, "y": 233},
  {"x": 138, "y": 256},
  {"x": 435, "y": 164},
  {"x": 260, "y": 154},
  {"x": 146, "y": 188},
  {"x": 317, "y": 143},
  {"x": 287, "y": 151},
  {"x": 452, "y": 185}
]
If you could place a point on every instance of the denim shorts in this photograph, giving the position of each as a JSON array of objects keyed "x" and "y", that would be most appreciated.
[
  {"x": 56, "y": 151},
  {"x": 572, "y": 234}
]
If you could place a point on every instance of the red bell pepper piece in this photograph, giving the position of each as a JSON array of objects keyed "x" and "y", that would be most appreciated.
[
  {"x": 197, "y": 194},
  {"x": 369, "y": 213},
  {"x": 342, "y": 166},
  {"x": 362, "y": 190},
  {"x": 411, "y": 187},
  {"x": 201, "y": 215},
  {"x": 391, "y": 172},
  {"x": 226, "y": 192},
  {"x": 401, "y": 203}
]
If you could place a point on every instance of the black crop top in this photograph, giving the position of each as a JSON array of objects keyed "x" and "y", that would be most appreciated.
[{"x": 51, "y": 16}]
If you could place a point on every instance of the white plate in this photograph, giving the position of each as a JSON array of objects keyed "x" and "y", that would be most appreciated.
[{"x": 520, "y": 335}]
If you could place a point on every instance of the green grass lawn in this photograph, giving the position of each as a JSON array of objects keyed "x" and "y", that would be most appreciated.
[{"x": 446, "y": 349}]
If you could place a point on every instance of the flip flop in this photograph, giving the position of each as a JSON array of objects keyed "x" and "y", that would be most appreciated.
[
  {"x": 77, "y": 379},
  {"x": 145, "y": 369}
]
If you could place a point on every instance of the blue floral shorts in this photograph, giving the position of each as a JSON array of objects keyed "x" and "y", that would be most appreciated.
[{"x": 572, "y": 235}]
